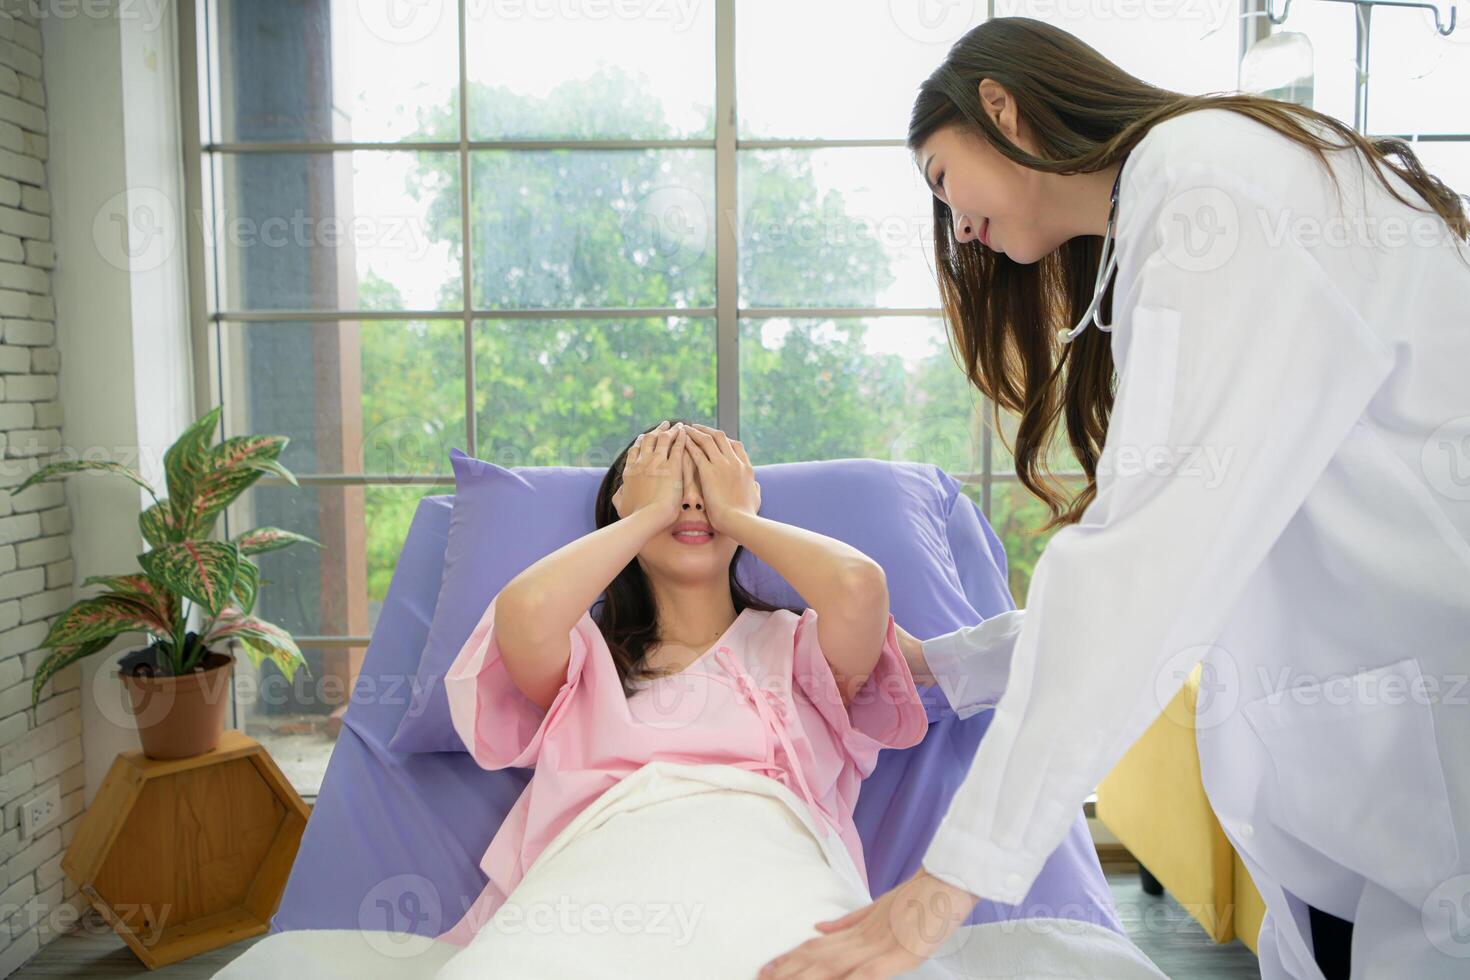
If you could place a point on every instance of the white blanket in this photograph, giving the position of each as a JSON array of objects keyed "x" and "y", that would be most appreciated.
[{"x": 684, "y": 871}]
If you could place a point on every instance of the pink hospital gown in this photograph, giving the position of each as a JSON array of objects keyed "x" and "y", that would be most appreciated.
[{"x": 761, "y": 698}]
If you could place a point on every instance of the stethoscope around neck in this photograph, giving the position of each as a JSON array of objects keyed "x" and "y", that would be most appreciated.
[{"x": 1106, "y": 268}]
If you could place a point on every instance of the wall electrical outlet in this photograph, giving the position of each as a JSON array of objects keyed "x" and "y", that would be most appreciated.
[{"x": 40, "y": 812}]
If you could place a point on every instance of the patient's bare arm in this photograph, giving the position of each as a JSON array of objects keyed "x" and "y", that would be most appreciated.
[
  {"x": 536, "y": 611},
  {"x": 913, "y": 653},
  {"x": 847, "y": 588}
]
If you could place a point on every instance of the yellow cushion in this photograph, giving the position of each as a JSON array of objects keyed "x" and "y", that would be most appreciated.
[
  {"x": 1155, "y": 803},
  {"x": 1250, "y": 908}
]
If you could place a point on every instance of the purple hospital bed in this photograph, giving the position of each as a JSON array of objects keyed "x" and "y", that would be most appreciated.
[{"x": 395, "y": 839}]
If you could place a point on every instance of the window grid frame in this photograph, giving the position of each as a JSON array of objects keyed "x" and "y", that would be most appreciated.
[{"x": 202, "y": 157}]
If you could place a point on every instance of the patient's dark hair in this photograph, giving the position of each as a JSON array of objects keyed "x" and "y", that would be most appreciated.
[
  {"x": 1086, "y": 113},
  {"x": 626, "y": 613}
]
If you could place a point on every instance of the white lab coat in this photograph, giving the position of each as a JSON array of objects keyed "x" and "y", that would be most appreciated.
[
  {"x": 1317, "y": 562},
  {"x": 971, "y": 664}
]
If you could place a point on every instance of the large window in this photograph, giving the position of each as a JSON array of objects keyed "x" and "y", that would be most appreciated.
[{"x": 530, "y": 229}]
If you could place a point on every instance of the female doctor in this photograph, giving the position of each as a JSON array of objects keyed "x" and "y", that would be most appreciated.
[{"x": 1279, "y": 489}]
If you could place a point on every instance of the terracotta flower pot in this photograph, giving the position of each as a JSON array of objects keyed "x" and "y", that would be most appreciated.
[{"x": 183, "y": 716}]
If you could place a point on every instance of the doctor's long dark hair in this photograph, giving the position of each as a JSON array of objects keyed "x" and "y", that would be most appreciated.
[
  {"x": 626, "y": 613},
  {"x": 1085, "y": 113}
]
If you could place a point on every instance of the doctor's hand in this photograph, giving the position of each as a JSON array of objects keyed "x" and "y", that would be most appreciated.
[
  {"x": 897, "y": 932},
  {"x": 913, "y": 653}
]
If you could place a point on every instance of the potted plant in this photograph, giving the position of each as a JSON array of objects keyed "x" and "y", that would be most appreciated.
[{"x": 178, "y": 686}]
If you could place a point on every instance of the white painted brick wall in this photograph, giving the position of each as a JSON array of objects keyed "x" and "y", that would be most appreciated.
[{"x": 42, "y": 749}]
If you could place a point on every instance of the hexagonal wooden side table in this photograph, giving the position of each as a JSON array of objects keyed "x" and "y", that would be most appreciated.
[{"x": 186, "y": 855}]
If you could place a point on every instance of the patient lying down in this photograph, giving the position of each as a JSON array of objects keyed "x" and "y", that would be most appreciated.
[{"x": 697, "y": 752}]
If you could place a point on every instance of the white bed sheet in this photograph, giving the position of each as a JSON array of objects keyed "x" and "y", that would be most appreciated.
[{"x": 684, "y": 871}]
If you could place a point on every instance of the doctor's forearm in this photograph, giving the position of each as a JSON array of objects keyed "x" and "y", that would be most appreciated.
[{"x": 972, "y": 664}]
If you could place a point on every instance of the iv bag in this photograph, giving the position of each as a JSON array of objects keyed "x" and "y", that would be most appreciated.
[{"x": 1280, "y": 67}]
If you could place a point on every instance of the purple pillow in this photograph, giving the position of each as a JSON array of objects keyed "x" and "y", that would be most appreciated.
[{"x": 906, "y": 516}]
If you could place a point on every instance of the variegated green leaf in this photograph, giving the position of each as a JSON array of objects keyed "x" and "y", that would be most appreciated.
[
  {"x": 210, "y": 498},
  {"x": 225, "y": 472},
  {"x": 244, "y": 451},
  {"x": 200, "y": 570},
  {"x": 78, "y": 465},
  {"x": 183, "y": 460},
  {"x": 160, "y": 526},
  {"x": 264, "y": 539},
  {"x": 261, "y": 640},
  {"x": 59, "y": 660},
  {"x": 247, "y": 584},
  {"x": 286, "y": 659},
  {"x": 102, "y": 616},
  {"x": 185, "y": 457},
  {"x": 275, "y": 466},
  {"x": 160, "y": 603}
]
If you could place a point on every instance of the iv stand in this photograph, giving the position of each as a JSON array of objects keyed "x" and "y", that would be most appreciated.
[{"x": 1439, "y": 26}]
